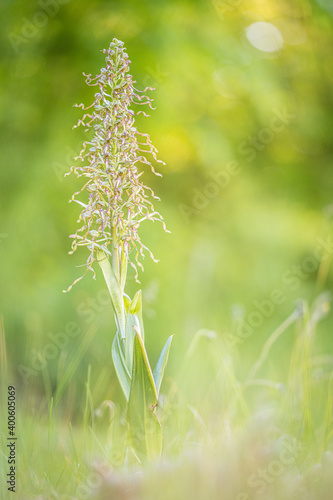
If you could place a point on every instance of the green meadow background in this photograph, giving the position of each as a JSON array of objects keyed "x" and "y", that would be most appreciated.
[{"x": 246, "y": 192}]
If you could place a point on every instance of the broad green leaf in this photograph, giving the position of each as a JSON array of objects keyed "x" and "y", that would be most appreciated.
[
  {"x": 136, "y": 304},
  {"x": 127, "y": 302},
  {"x": 119, "y": 362},
  {"x": 161, "y": 364},
  {"x": 136, "y": 308},
  {"x": 133, "y": 319},
  {"x": 145, "y": 433},
  {"x": 114, "y": 290}
]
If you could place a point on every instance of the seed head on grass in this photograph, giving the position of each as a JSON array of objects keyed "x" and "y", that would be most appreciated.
[{"x": 118, "y": 202}]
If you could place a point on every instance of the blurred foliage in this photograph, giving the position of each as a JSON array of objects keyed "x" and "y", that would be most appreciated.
[{"x": 215, "y": 93}]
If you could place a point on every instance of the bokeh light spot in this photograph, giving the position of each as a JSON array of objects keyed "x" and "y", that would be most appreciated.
[{"x": 264, "y": 36}]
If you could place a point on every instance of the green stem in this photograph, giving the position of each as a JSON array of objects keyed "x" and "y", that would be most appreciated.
[
  {"x": 114, "y": 253},
  {"x": 123, "y": 270},
  {"x": 115, "y": 291}
]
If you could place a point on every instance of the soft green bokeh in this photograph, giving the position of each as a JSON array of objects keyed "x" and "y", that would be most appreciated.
[
  {"x": 215, "y": 94},
  {"x": 214, "y": 91}
]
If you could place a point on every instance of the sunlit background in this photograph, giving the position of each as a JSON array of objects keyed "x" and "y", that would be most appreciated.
[
  {"x": 244, "y": 123},
  {"x": 222, "y": 72}
]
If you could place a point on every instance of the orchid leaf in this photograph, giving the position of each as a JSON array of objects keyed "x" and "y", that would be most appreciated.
[
  {"x": 161, "y": 364},
  {"x": 122, "y": 371},
  {"x": 114, "y": 290},
  {"x": 133, "y": 319},
  {"x": 145, "y": 433},
  {"x": 131, "y": 322},
  {"x": 136, "y": 308}
]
